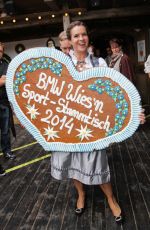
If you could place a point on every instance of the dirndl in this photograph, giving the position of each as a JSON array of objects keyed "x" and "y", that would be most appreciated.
[{"x": 90, "y": 168}]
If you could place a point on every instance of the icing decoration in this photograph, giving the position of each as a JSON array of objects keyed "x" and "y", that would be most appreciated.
[{"x": 67, "y": 110}]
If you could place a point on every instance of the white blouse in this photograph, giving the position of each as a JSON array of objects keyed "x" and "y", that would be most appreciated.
[{"x": 88, "y": 64}]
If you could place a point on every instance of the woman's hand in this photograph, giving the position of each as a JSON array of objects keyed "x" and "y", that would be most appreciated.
[
  {"x": 2, "y": 80},
  {"x": 142, "y": 117}
]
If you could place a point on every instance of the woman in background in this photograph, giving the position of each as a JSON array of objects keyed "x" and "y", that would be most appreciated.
[{"x": 119, "y": 60}]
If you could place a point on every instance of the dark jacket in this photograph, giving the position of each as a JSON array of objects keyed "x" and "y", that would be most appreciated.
[
  {"x": 126, "y": 67},
  {"x": 3, "y": 94}
]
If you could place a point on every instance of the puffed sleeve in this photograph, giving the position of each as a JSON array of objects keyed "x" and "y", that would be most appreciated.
[
  {"x": 102, "y": 62},
  {"x": 147, "y": 65}
]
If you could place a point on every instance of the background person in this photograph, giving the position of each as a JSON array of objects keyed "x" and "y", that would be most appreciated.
[
  {"x": 120, "y": 61},
  {"x": 147, "y": 66},
  {"x": 108, "y": 57},
  {"x": 65, "y": 45},
  {"x": 6, "y": 117}
]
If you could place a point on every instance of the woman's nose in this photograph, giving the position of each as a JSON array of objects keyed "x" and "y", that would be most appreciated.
[{"x": 81, "y": 37}]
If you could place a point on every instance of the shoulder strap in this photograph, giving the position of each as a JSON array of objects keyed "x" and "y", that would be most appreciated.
[{"x": 94, "y": 61}]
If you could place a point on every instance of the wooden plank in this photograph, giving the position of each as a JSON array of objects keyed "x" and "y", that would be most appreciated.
[
  {"x": 38, "y": 200},
  {"x": 70, "y": 219},
  {"x": 98, "y": 220},
  {"x": 141, "y": 219},
  {"x": 27, "y": 193},
  {"x": 60, "y": 204},
  {"x": 120, "y": 187},
  {"x": 13, "y": 178},
  {"x": 13, "y": 196},
  {"x": 84, "y": 221},
  {"x": 35, "y": 203}
]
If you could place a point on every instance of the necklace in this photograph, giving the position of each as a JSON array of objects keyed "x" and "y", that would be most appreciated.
[{"x": 80, "y": 65}]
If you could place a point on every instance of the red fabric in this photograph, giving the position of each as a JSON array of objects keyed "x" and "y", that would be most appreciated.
[{"x": 126, "y": 67}]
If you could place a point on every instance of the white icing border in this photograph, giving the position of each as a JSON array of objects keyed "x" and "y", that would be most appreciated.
[{"x": 97, "y": 72}]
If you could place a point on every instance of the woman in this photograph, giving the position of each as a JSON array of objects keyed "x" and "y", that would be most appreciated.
[
  {"x": 120, "y": 61},
  {"x": 89, "y": 168}
]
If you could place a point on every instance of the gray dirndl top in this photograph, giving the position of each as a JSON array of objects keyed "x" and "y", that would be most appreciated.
[{"x": 87, "y": 167}]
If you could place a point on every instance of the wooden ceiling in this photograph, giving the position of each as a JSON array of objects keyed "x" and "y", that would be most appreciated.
[{"x": 96, "y": 13}]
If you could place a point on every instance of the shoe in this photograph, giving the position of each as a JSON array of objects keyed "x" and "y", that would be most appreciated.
[
  {"x": 119, "y": 219},
  {"x": 2, "y": 172},
  {"x": 79, "y": 211},
  {"x": 9, "y": 155}
]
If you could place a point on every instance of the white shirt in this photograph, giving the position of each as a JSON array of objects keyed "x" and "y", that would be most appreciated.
[{"x": 147, "y": 65}]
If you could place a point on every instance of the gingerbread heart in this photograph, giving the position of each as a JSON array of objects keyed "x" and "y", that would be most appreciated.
[{"x": 67, "y": 110}]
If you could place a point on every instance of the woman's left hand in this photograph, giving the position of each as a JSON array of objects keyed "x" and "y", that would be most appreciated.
[{"x": 142, "y": 117}]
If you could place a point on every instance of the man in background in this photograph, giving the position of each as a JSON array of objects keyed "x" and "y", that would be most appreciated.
[
  {"x": 65, "y": 45},
  {"x": 6, "y": 117}
]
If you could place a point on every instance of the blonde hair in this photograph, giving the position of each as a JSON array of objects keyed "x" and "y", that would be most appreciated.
[{"x": 62, "y": 36}]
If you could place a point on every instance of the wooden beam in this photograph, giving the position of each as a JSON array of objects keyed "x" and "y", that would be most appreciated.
[
  {"x": 114, "y": 13},
  {"x": 90, "y": 15},
  {"x": 31, "y": 24},
  {"x": 33, "y": 19}
]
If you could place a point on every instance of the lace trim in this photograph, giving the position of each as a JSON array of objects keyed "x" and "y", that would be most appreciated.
[{"x": 85, "y": 174}]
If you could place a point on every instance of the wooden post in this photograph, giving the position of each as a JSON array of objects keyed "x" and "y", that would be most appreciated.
[{"x": 66, "y": 21}]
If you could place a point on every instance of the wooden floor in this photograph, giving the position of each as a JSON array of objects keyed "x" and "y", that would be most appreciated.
[{"x": 30, "y": 199}]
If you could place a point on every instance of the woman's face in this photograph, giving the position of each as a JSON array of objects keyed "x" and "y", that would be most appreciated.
[
  {"x": 79, "y": 39},
  {"x": 115, "y": 48}
]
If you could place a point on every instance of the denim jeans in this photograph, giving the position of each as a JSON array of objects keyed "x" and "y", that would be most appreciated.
[{"x": 5, "y": 128}]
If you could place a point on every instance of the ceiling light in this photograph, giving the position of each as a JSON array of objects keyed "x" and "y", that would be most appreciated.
[
  {"x": 137, "y": 30},
  {"x": 79, "y": 13},
  {"x": 14, "y": 20},
  {"x": 3, "y": 14},
  {"x": 53, "y": 15},
  {"x": 27, "y": 19},
  {"x": 39, "y": 17},
  {"x": 2, "y": 22}
]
